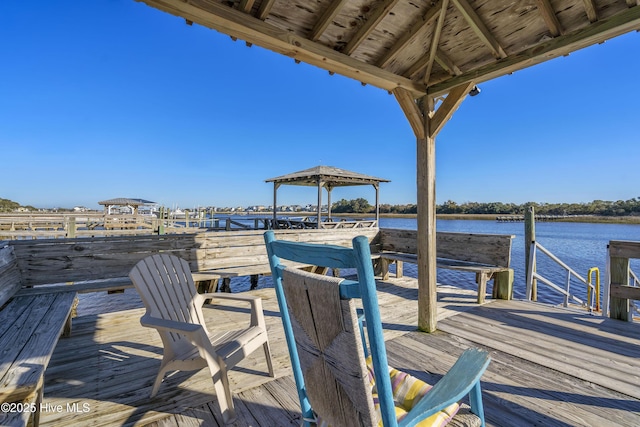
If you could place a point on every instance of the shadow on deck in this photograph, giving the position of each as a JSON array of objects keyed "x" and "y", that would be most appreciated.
[{"x": 551, "y": 367}]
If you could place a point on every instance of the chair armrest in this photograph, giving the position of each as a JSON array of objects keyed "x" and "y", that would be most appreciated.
[
  {"x": 456, "y": 384},
  {"x": 257, "y": 315},
  {"x": 169, "y": 325},
  {"x": 237, "y": 297}
]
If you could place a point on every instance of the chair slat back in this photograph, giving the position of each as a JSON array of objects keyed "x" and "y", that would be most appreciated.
[
  {"x": 166, "y": 287},
  {"x": 330, "y": 349},
  {"x": 358, "y": 257}
]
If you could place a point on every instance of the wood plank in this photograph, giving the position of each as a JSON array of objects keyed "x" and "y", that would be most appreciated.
[
  {"x": 549, "y": 16},
  {"x": 237, "y": 24},
  {"x": 28, "y": 345},
  {"x": 624, "y": 249},
  {"x": 604, "y": 29},
  {"x": 542, "y": 347},
  {"x": 508, "y": 385},
  {"x": 479, "y": 27},
  {"x": 416, "y": 28}
]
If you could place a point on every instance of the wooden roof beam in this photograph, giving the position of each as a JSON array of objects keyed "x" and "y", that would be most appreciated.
[
  {"x": 369, "y": 26},
  {"x": 441, "y": 58},
  {"x": 411, "y": 34},
  {"x": 265, "y": 9},
  {"x": 446, "y": 63},
  {"x": 435, "y": 40},
  {"x": 480, "y": 28},
  {"x": 411, "y": 111},
  {"x": 549, "y": 16},
  {"x": 326, "y": 19},
  {"x": 238, "y": 24},
  {"x": 598, "y": 32},
  {"x": 592, "y": 12},
  {"x": 246, "y": 5},
  {"x": 448, "y": 107}
]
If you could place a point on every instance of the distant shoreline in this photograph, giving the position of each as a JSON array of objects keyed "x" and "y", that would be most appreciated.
[{"x": 492, "y": 217}]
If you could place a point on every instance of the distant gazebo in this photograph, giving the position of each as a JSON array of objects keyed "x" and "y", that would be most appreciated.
[
  {"x": 327, "y": 177},
  {"x": 134, "y": 204}
]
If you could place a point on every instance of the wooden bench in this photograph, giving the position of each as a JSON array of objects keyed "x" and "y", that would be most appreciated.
[
  {"x": 233, "y": 254},
  {"x": 30, "y": 326},
  {"x": 103, "y": 263},
  {"x": 486, "y": 255}
]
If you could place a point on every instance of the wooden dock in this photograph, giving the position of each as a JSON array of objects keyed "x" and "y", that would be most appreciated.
[{"x": 551, "y": 367}]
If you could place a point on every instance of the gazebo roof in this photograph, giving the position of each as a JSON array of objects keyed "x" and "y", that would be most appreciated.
[
  {"x": 415, "y": 47},
  {"x": 123, "y": 201},
  {"x": 329, "y": 175}
]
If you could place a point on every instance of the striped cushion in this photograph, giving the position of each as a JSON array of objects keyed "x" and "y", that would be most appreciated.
[{"x": 407, "y": 391}]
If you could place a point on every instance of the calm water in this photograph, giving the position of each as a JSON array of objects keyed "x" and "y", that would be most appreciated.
[{"x": 579, "y": 245}]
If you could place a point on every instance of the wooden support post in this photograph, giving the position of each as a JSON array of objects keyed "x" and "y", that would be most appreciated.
[
  {"x": 377, "y": 187},
  {"x": 320, "y": 184},
  {"x": 71, "y": 227},
  {"x": 254, "y": 281},
  {"x": 529, "y": 238},
  {"x": 426, "y": 123},
  {"x": 503, "y": 285},
  {"x": 275, "y": 206},
  {"x": 426, "y": 184},
  {"x": 619, "y": 308}
]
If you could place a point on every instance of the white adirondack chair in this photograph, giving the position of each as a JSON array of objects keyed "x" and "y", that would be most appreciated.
[{"x": 174, "y": 309}]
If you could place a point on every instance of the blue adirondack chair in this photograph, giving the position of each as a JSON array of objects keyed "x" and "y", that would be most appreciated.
[{"x": 327, "y": 346}]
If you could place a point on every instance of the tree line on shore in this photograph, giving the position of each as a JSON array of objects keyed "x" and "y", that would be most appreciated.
[
  {"x": 596, "y": 207},
  {"x": 629, "y": 207}
]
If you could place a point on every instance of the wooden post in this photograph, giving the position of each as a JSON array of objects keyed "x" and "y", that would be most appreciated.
[
  {"x": 619, "y": 308},
  {"x": 503, "y": 285},
  {"x": 329, "y": 202},
  {"x": 161, "y": 222},
  {"x": 529, "y": 238},
  {"x": 426, "y": 185},
  {"x": 319, "y": 203},
  {"x": 275, "y": 205},
  {"x": 377, "y": 187},
  {"x": 71, "y": 227}
]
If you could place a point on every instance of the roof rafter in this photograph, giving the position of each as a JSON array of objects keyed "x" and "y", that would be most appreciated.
[
  {"x": 411, "y": 111},
  {"x": 246, "y": 5},
  {"x": 448, "y": 107},
  {"x": 446, "y": 63},
  {"x": 326, "y": 19},
  {"x": 597, "y": 32},
  {"x": 411, "y": 34},
  {"x": 479, "y": 28},
  {"x": 550, "y": 18},
  {"x": 592, "y": 11},
  {"x": 265, "y": 9},
  {"x": 238, "y": 24},
  {"x": 369, "y": 26},
  {"x": 435, "y": 40}
]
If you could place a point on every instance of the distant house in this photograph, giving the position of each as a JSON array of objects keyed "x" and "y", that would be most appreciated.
[{"x": 124, "y": 205}]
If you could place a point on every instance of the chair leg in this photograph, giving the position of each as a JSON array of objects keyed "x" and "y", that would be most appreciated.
[
  {"x": 221, "y": 386},
  {"x": 475, "y": 399},
  {"x": 267, "y": 355},
  {"x": 156, "y": 385}
]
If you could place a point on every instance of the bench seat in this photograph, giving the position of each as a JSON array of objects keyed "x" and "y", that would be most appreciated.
[
  {"x": 488, "y": 256},
  {"x": 29, "y": 330}
]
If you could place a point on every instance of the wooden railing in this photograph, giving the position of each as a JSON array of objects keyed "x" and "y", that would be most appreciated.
[{"x": 622, "y": 291}]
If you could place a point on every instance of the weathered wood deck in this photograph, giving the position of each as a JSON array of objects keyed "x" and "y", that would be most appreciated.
[{"x": 550, "y": 367}]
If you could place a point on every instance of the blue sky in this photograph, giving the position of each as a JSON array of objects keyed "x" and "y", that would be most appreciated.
[{"x": 111, "y": 98}]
